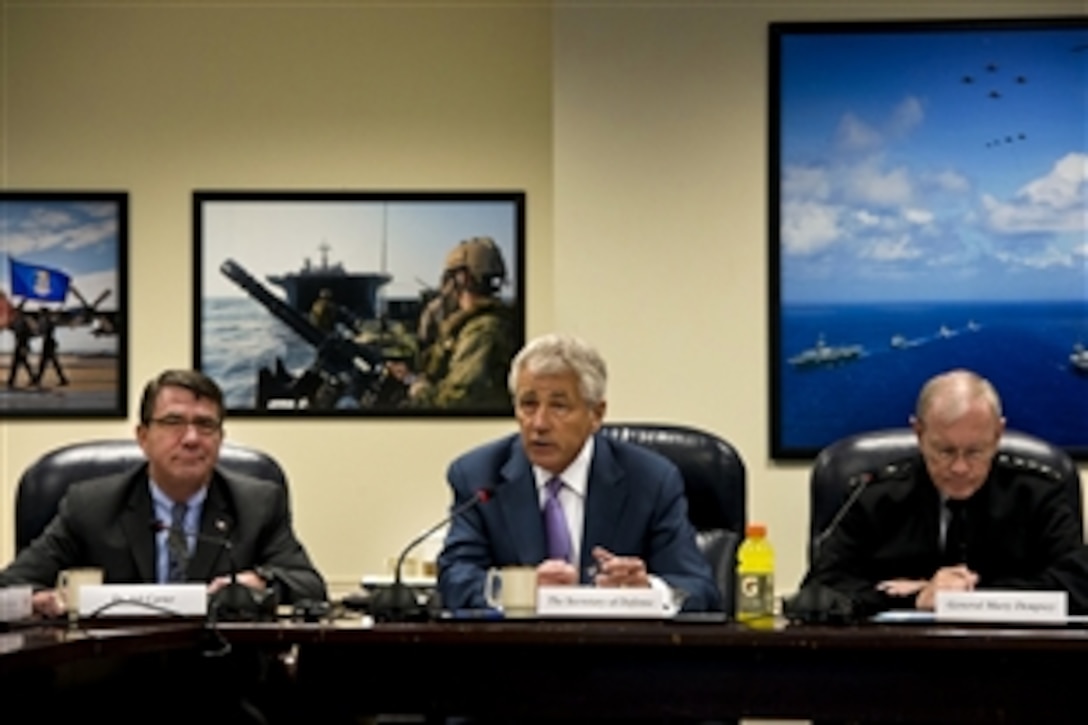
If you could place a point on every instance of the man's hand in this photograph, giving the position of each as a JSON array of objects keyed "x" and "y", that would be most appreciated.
[
  {"x": 902, "y": 587},
  {"x": 619, "y": 571},
  {"x": 48, "y": 603},
  {"x": 248, "y": 578},
  {"x": 951, "y": 578},
  {"x": 556, "y": 573},
  {"x": 401, "y": 372}
]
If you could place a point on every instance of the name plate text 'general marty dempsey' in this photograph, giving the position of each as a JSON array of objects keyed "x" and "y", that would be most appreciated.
[
  {"x": 143, "y": 600},
  {"x": 1002, "y": 606},
  {"x": 604, "y": 602}
]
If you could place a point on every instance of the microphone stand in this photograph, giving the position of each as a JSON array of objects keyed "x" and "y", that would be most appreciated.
[
  {"x": 398, "y": 602},
  {"x": 818, "y": 603},
  {"x": 858, "y": 484},
  {"x": 235, "y": 602}
]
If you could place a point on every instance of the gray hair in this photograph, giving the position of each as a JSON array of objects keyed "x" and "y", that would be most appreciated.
[
  {"x": 556, "y": 353},
  {"x": 953, "y": 392}
]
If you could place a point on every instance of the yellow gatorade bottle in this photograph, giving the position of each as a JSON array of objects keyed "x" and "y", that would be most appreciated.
[{"x": 755, "y": 578}]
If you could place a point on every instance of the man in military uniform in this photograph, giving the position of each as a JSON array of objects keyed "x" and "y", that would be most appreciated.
[
  {"x": 441, "y": 306},
  {"x": 467, "y": 364},
  {"x": 20, "y": 358},
  {"x": 47, "y": 327},
  {"x": 952, "y": 518},
  {"x": 323, "y": 312}
]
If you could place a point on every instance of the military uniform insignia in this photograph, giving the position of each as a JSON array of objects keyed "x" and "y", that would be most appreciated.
[{"x": 1020, "y": 464}]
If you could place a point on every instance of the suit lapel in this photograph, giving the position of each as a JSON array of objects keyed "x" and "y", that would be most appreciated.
[
  {"x": 521, "y": 507},
  {"x": 137, "y": 522},
  {"x": 605, "y": 498},
  {"x": 216, "y": 525}
]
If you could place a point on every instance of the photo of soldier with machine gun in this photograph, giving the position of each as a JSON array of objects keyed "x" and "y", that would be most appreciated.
[{"x": 444, "y": 351}]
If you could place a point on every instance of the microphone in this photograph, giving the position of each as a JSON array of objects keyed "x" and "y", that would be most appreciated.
[
  {"x": 816, "y": 603},
  {"x": 398, "y": 603},
  {"x": 856, "y": 484},
  {"x": 234, "y": 602}
]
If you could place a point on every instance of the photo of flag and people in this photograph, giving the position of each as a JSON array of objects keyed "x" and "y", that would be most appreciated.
[{"x": 61, "y": 303}]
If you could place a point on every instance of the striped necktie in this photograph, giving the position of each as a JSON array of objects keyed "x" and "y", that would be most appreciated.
[
  {"x": 555, "y": 523},
  {"x": 177, "y": 548}
]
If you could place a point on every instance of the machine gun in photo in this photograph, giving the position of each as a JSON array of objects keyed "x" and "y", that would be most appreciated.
[{"x": 350, "y": 367}]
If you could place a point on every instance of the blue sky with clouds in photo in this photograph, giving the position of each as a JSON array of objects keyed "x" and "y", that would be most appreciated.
[
  {"x": 407, "y": 239},
  {"x": 934, "y": 165},
  {"x": 79, "y": 238}
]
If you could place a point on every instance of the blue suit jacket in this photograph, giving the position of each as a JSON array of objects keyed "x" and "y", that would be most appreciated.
[{"x": 635, "y": 506}]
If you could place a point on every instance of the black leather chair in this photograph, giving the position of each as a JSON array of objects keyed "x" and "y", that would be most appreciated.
[
  {"x": 44, "y": 483},
  {"x": 715, "y": 484},
  {"x": 844, "y": 464}
]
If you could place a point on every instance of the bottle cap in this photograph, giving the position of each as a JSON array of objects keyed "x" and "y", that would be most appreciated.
[{"x": 756, "y": 530}]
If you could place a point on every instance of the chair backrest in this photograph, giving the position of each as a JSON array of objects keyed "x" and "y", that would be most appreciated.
[
  {"x": 840, "y": 466},
  {"x": 42, "y": 486},
  {"x": 715, "y": 485}
]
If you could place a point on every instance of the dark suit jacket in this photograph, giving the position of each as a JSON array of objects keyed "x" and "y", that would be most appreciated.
[
  {"x": 1020, "y": 527},
  {"x": 635, "y": 506},
  {"x": 107, "y": 523}
]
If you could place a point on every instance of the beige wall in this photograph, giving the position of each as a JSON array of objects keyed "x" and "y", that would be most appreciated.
[
  {"x": 639, "y": 134},
  {"x": 661, "y": 215},
  {"x": 162, "y": 98}
]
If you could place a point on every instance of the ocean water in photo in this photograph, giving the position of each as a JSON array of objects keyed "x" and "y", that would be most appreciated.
[
  {"x": 238, "y": 338},
  {"x": 1022, "y": 348}
]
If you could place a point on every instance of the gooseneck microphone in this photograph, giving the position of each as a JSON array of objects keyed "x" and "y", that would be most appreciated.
[
  {"x": 234, "y": 602},
  {"x": 857, "y": 485},
  {"x": 815, "y": 603},
  {"x": 398, "y": 603}
]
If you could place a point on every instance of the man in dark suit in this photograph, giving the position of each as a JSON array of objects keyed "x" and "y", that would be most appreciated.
[
  {"x": 953, "y": 517},
  {"x": 623, "y": 506},
  {"x": 141, "y": 526}
]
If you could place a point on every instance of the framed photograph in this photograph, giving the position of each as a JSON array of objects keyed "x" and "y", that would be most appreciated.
[
  {"x": 928, "y": 211},
  {"x": 352, "y": 304},
  {"x": 63, "y": 304}
]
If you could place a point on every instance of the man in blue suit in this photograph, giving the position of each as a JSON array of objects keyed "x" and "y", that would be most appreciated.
[{"x": 623, "y": 506}]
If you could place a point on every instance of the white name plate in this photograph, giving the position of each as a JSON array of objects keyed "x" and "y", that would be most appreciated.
[
  {"x": 606, "y": 602},
  {"x": 15, "y": 603},
  {"x": 143, "y": 600},
  {"x": 1002, "y": 606}
]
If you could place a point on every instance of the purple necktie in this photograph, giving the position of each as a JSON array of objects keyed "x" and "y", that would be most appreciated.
[{"x": 555, "y": 523}]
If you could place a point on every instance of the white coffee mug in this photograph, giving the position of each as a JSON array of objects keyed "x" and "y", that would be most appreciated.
[
  {"x": 512, "y": 589},
  {"x": 69, "y": 582}
]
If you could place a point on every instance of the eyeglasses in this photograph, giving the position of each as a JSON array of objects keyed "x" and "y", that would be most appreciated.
[
  {"x": 178, "y": 424},
  {"x": 947, "y": 455}
]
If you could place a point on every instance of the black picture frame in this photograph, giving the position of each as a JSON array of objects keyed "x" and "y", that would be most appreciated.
[
  {"x": 927, "y": 207},
  {"x": 65, "y": 252},
  {"x": 262, "y": 258}
]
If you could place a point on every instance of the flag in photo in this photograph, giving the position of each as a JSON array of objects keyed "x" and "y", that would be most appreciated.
[{"x": 39, "y": 283}]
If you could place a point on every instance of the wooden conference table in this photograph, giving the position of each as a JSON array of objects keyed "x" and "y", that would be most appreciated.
[{"x": 617, "y": 669}]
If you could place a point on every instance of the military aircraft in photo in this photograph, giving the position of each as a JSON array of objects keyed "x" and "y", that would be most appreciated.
[{"x": 87, "y": 314}]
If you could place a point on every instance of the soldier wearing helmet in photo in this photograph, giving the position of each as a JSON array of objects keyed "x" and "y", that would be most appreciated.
[
  {"x": 323, "y": 312},
  {"x": 467, "y": 363},
  {"x": 442, "y": 305}
]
